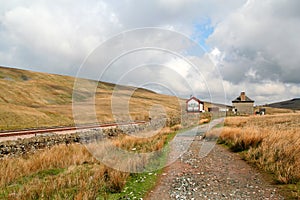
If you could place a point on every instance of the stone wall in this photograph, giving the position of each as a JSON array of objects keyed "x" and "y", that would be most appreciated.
[
  {"x": 47, "y": 140},
  {"x": 244, "y": 107},
  {"x": 30, "y": 145}
]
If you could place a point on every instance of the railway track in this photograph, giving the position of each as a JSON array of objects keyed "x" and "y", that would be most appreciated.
[{"x": 60, "y": 129}]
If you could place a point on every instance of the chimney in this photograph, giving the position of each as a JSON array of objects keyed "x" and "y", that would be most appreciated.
[{"x": 243, "y": 96}]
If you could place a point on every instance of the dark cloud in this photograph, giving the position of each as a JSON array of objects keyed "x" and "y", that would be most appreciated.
[
  {"x": 261, "y": 36},
  {"x": 257, "y": 41}
]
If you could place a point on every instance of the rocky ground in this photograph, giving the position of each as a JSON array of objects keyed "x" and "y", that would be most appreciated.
[{"x": 219, "y": 175}]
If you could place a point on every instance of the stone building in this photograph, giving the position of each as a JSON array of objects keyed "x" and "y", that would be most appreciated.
[{"x": 243, "y": 105}]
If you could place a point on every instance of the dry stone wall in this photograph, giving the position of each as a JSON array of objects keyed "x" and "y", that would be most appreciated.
[{"x": 30, "y": 145}]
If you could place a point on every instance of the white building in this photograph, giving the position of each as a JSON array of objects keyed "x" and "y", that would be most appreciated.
[{"x": 194, "y": 105}]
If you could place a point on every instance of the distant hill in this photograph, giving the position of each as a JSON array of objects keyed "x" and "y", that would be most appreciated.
[
  {"x": 293, "y": 104},
  {"x": 32, "y": 99}
]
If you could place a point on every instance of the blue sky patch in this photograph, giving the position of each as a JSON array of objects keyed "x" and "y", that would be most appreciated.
[{"x": 202, "y": 31}]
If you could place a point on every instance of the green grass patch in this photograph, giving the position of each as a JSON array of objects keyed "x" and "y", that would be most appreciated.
[
  {"x": 294, "y": 191},
  {"x": 139, "y": 184},
  {"x": 221, "y": 125},
  {"x": 49, "y": 172},
  {"x": 18, "y": 184}
]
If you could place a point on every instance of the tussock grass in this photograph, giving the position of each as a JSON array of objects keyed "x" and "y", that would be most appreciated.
[
  {"x": 176, "y": 127},
  {"x": 271, "y": 142},
  {"x": 60, "y": 156},
  {"x": 238, "y": 139},
  {"x": 146, "y": 144},
  {"x": 71, "y": 172},
  {"x": 203, "y": 121}
]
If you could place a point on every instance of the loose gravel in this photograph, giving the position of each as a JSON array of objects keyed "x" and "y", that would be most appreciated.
[{"x": 219, "y": 175}]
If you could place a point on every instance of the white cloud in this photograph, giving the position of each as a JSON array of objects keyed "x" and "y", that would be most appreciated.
[
  {"x": 254, "y": 43},
  {"x": 262, "y": 93},
  {"x": 261, "y": 44},
  {"x": 55, "y": 35},
  {"x": 252, "y": 74},
  {"x": 216, "y": 56},
  {"x": 179, "y": 65},
  {"x": 264, "y": 37}
]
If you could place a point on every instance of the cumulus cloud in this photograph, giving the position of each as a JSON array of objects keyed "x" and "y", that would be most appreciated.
[
  {"x": 260, "y": 37},
  {"x": 180, "y": 15},
  {"x": 150, "y": 55},
  {"x": 53, "y": 36},
  {"x": 254, "y": 43}
]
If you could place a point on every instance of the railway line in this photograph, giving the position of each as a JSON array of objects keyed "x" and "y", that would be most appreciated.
[{"x": 27, "y": 132}]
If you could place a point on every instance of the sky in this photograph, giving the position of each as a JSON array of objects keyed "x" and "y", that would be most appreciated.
[{"x": 207, "y": 48}]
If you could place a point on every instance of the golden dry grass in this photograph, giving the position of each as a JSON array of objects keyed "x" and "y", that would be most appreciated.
[
  {"x": 70, "y": 171},
  {"x": 145, "y": 144},
  {"x": 203, "y": 121},
  {"x": 272, "y": 111},
  {"x": 31, "y": 99},
  {"x": 57, "y": 157},
  {"x": 272, "y": 142}
]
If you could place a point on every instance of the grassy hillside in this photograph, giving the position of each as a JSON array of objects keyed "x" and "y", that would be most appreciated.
[
  {"x": 293, "y": 104},
  {"x": 31, "y": 99}
]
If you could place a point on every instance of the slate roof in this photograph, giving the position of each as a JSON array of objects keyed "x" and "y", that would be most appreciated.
[{"x": 238, "y": 99}]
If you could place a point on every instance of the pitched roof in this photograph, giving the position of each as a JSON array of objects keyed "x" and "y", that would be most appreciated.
[
  {"x": 198, "y": 100},
  {"x": 238, "y": 99}
]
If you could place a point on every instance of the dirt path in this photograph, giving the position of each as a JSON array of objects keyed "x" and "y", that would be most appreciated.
[{"x": 219, "y": 175}]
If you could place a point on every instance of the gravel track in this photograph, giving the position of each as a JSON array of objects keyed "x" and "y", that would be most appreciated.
[{"x": 219, "y": 175}]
